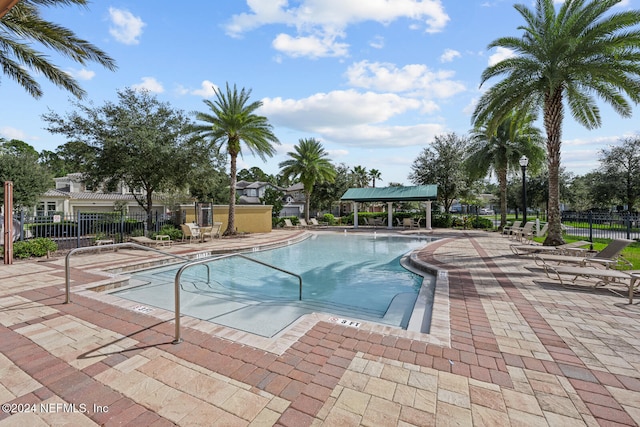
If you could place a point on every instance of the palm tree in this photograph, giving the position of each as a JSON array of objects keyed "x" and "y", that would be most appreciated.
[
  {"x": 501, "y": 149},
  {"x": 565, "y": 55},
  {"x": 21, "y": 26},
  {"x": 232, "y": 120},
  {"x": 360, "y": 176},
  {"x": 310, "y": 165},
  {"x": 373, "y": 175}
]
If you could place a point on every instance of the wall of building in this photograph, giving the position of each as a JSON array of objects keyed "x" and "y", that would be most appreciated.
[{"x": 248, "y": 218}]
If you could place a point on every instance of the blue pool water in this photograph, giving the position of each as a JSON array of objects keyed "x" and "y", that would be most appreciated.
[{"x": 354, "y": 276}]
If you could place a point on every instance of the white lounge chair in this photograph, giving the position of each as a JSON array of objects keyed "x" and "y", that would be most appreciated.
[
  {"x": 605, "y": 277},
  {"x": 557, "y": 250},
  {"x": 507, "y": 230},
  {"x": 524, "y": 233},
  {"x": 608, "y": 257},
  {"x": 289, "y": 224}
]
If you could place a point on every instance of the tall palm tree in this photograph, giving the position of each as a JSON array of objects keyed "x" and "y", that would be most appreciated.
[
  {"x": 360, "y": 176},
  {"x": 500, "y": 150},
  {"x": 569, "y": 54},
  {"x": 22, "y": 26},
  {"x": 310, "y": 165},
  {"x": 373, "y": 175},
  {"x": 233, "y": 121}
]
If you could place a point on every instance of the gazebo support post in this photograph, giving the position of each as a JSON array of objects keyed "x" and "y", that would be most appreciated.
[
  {"x": 389, "y": 215},
  {"x": 428, "y": 217},
  {"x": 355, "y": 214}
]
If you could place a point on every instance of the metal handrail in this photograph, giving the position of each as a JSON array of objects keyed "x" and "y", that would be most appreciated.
[
  {"x": 178, "y": 338},
  {"x": 67, "y": 270}
]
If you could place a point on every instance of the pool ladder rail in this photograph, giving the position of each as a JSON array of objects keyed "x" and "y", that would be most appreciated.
[
  {"x": 178, "y": 338},
  {"x": 189, "y": 264}
]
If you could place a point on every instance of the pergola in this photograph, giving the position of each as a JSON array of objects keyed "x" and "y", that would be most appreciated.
[{"x": 418, "y": 193}]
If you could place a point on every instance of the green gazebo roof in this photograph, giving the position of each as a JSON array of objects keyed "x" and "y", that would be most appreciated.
[{"x": 391, "y": 194}]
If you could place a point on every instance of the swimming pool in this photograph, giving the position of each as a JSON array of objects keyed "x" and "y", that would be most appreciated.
[{"x": 351, "y": 275}]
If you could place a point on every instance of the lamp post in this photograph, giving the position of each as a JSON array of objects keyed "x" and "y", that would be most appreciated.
[{"x": 524, "y": 162}]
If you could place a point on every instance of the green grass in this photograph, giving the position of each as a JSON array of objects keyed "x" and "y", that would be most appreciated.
[{"x": 630, "y": 253}]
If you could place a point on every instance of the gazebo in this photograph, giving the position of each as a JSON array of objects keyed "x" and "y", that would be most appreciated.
[{"x": 418, "y": 193}]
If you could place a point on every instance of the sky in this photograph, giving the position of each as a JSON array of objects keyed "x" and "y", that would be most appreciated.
[{"x": 375, "y": 81}]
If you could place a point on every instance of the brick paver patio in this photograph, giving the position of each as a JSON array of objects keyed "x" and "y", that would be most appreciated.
[{"x": 511, "y": 348}]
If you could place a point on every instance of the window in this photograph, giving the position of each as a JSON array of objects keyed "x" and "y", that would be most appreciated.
[
  {"x": 51, "y": 206},
  {"x": 40, "y": 208}
]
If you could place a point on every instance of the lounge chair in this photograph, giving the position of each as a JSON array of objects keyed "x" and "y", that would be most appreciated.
[
  {"x": 315, "y": 223},
  {"x": 507, "y": 230},
  {"x": 143, "y": 240},
  {"x": 566, "y": 249},
  {"x": 608, "y": 257},
  {"x": 605, "y": 277},
  {"x": 524, "y": 233},
  {"x": 303, "y": 223},
  {"x": 289, "y": 224}
]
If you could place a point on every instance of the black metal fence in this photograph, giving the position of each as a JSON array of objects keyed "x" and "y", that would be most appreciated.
[
  {"x": 83, "y": 229},
  {"x": 607, "y": 225}
]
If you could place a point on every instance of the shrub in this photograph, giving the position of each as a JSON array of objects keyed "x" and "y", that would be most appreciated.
[
  {"x": 442, "y": 221},
  {"x": 37, "y": 247},
  {"x": 168, "y": 230},
  {"x": 329, "y": 219},
  {"x": 481, "y": 222}
]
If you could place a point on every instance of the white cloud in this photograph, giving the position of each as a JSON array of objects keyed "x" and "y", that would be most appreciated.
[
  {"x": 207, "y": 89},
  {"x": 351, "y": 118},
  {"x": 501, "y": 54},
  {"x": 82, "y": 74},
  {"x": 449, "y": 55},
  {"x": 412, "y": 78},
  {"x": 126, "y": 28},
  {"x": 310, "y": 46},
  {"x": 150, "y": 84},
  {"x": 325, "y": 20},
  {"x": 377, "y": 42},
  {"x": 12, "y": 133}
]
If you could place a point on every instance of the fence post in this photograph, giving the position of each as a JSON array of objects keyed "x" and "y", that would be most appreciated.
[
  {"x": 122, "y": 226},
  {"x": 22, "y": 220},
  {"x": 628, "y": 221},
  {"x": 78, "y": 229},
  {"x": 590, "y": 216}
]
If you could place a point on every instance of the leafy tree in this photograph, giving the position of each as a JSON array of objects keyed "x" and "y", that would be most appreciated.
[
  {"x": 70, "y": 157},
  {"x": 273, "y": 197},
  {"x": 310, "y": 165},
  {"x": 139, "y": 141},
  {"x": 23, "y": 26},
  {"x": 500, "y": 150},
  {"x": 326, "y": 193},
  {"x": 233, "y": 121},
  {"x": 360, "y": 176},
  {"x": 255, "y": 174},
  {"x": 374, "y": 174},
  {"x": 622, "y": 166},
  {"x": 30, "y": 179},
  {"x": 442, "y": 163},
  {"x": 568, "y": 55}
]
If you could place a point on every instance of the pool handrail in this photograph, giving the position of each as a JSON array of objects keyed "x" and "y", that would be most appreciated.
[
  {"x": 178, "y": 338},
  {"x": 67, "y": 269}
]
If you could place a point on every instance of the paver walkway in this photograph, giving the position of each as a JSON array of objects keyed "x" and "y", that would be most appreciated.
[{"x": 517, "y": 350}]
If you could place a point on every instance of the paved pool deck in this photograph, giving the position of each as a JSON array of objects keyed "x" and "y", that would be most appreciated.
[{"x": 511, "y": 348}]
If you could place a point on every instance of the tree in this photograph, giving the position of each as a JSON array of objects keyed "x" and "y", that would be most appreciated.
[
  {"x": 360, "y": 176},
  {"x": 273, "y": 197},
  {"x": 565, "y": 55},
  {"x": 500, "y": 150},
  {"x": 233, "y": 121},
  {"x": 30, "y": 179},
  {"x": 70, "y": 157},
  {"x": 255, "y": 174},
  {"x": 325, "y": 193},
  {"x": 139, "y": 141},
  {"x": 442, "y": 164},
  {"x": 622, "y": 165},
  {"x": 374, "y": 174},
  {"x": 310, "y": 165},
  {"x": 23, "y": 26}
]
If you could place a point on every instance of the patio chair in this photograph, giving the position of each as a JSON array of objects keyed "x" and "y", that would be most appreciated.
[
  {"x": 189, "y": 233},
  {"x": 507, "y": 230},
  {"x": 213, "y": 231},
  {"x": 410, "y": 223},
  {"x": 609, "y": 257},
  {"x": 315, "y": 223}
]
